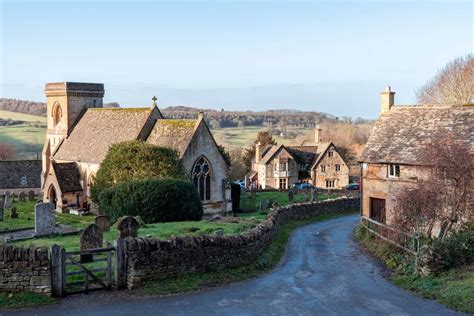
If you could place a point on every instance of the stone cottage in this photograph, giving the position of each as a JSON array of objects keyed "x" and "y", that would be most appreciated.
[
  {"x": 80, "y": 132},
  {"x": 279, "y": 166},
  {"x": 393, "y": 159},
  {"x": 20, "y": 176}
]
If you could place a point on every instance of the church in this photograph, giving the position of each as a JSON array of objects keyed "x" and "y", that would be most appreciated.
[{"x": 80, "y": 132}]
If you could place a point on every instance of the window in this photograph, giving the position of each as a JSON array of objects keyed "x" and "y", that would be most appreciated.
[
  {"x": 330, "y": 153},
  {"x": 202, "y": 173},
  {"x": 282, "y": 184},
  {"x": 283, "y": 166},
  {"x": 330, "y": 183},
  {"x": 57, "y": 113},
  {"x": 338, "y": 167},
  {"x": 393, "y": 171},
  {"x": 323, "y": 168}
]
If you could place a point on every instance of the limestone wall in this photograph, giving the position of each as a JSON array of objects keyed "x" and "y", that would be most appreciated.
[
  {"x": 149, "y": 258},
  {"x": 24, "y": 269}
]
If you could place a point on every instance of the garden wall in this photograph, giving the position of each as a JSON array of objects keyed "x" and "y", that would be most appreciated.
[
  {"x": 24, "y": 269},
  {"x": 149, "y": 258}
]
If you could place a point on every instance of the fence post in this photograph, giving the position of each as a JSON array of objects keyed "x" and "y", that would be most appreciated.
[
  {"x": 120, "y": 263},
  {"x": 109, "y": 267},
  {"x": 57, "y": 288}
]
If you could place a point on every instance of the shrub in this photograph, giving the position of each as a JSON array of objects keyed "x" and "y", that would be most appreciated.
[
  {"x": 154, "y": 200},
  {"x": 135, "y": 160}
]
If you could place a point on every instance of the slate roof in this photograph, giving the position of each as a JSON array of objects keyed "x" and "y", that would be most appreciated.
[
  {"x": 175, "y": 134},
  {"x": 303, "y": 155},
  {"x": 400, "y": 134},
  {"x": 68, "y": 176},
  {"x": 99, "y": 128},
  {"x": 15, "y": 174}
]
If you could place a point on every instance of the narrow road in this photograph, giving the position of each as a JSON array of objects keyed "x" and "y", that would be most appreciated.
[{"x": 324, "y": 272}]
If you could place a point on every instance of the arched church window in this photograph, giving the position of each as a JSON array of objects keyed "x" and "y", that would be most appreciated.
[
  {"x": 202, "y": 173},
  {"x": 57, "y": 113}
]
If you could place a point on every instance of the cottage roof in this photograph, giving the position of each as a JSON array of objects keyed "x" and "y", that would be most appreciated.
[
  {"x": 400, "y": 134},
  {"x": 99, "y": 128},
  {"x": 68, "y": 176},
  {"x": 16, "y": 174},
  {"x": 175, "y": 134}
]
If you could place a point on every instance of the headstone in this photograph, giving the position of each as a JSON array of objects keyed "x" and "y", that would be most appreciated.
[
  {"x": 14, "y": 213},
  {"x": 103, "y": 222},
  {"x": 128, "y": 226},
  {"x": 263, "y": 205},
  {"x": 22, "y": 197},
  {"x": 219, "y": 232},
  {"x": 45, "y": 219},
  {"x": 91, "y": 238},
  {"x": 314, "y": 194},
  {"x": 291, "y": 196},
  {"x": 31, "y": 195},
  {"x": 6, "y": 199},
  {"x": 13, "y": 198}
]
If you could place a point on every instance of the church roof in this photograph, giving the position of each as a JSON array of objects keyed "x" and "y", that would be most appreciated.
[
  {"x": 175, "y": 134},
  {"x": 15, "y": 174},
  {"x": 401, "y": 133},
  {"x": 68, "y": 176},
  {"x": 99, "y": 128}
]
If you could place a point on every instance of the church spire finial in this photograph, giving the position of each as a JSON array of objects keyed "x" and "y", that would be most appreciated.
[{"x": 154, "y": 101}]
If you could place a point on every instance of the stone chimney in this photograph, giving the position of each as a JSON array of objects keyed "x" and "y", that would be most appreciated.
[
  {"x": 258, "y": 148},
  {"x": 318, "y": 133},
  {"x": 201, "y": 115},
  {"x": 387, "y": 99}
]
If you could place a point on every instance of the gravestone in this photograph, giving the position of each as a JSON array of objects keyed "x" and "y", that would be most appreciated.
[
  {"x": 6, "y": 198},
  {"x": 22, "y": 197},
  {"x": 263, "y": 205},
  {"x": 13, "y": 213},
  {"x": 13, "y": 198},
  {"x": 103, "y": 222},
  {"x": 291, "y": 196},
  {"x": 45, "y": 219},
  {"x": 31, "y": 195},
  {"x": 219, "y": 232},
  {"x": 128, "y": 226},
  {"x": 314, "y": 195},
  {"x": 91, "y": 238}
]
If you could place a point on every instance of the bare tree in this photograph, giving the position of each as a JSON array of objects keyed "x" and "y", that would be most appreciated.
[
  {"x": 453, "y": 85},
  {"x": 7, "y": 151}
]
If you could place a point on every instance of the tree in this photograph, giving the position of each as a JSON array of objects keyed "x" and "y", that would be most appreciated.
[
  {"x": 225, "y": 155},
  {"x": 453, "y": 85},
  {"x": 7, "y": 151},
  {"x": 136, "y": 160},
  {"x": 264, "y": 138}
]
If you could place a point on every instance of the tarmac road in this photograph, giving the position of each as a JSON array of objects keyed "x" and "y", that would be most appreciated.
[{"x": 324, "y": 272}]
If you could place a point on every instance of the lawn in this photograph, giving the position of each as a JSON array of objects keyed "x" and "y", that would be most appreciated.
[
  {"x": 24, "y": 299},
  {"x": 21, "y": 116}
]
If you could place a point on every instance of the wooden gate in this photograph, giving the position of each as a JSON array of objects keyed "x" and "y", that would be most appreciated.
[{"x": 83, "y": 271}]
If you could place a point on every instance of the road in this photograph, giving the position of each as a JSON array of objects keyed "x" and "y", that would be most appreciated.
[{"x": 324, "y": 272}]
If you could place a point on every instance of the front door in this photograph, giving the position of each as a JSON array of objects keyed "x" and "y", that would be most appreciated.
[{"x": 377, "y": 210}]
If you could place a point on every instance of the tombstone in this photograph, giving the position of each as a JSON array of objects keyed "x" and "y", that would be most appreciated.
[
  {"x": 13, "y": 213},
  {"x": 13, "y": 198},
  {"x": 91, "y": 238},
  {"x": 31, "y": 195},
  {"x": 291, "y": 196},
  {"x": 128, "y": 226},
  {"x": 219, "y": 232},
  {"x": 22, "y": 197},
  {"x": 6, "y": 199},
  {"x": 103, "y": 222},
  {"x": 263, "y": 205},
  {"x": 45, "y": 219},
  {"x": 314, "y": 194}
]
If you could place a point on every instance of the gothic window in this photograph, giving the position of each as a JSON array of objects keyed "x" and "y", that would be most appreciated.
[
  {"x": 57, "y": 113},
  {"x": 202, "y": 173}
]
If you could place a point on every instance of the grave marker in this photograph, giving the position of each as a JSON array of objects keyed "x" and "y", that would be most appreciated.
[
  {"x": 91, "y": 238},
  {"x": 128, "y": 226},
  {"x": 103, "y": 222},
  {"x": 45, "y": 219}
]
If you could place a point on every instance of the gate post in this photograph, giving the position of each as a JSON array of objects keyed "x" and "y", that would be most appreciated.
[
  {"x": 120, "y": 263},
  {"x": 57, "y": 284}
]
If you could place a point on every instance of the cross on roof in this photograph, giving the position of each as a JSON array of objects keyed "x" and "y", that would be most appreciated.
[{"x": 154, "y": 100}]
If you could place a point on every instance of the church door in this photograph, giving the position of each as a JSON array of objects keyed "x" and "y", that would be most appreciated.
[{"x": 52, "y": 195}]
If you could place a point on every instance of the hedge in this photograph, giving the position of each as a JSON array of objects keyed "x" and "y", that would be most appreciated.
[{"x": 154, "y": 200}]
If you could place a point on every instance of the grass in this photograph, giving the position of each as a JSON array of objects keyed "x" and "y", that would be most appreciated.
[
  {"x": 453, "y": 288},
  {"x": 21, "y": 116},
  {"x": 24, "y": 299},
  {"x": 268, "y": 260}
]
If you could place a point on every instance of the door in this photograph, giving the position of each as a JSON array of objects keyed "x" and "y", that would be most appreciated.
[{"x": 377, "y": 210}]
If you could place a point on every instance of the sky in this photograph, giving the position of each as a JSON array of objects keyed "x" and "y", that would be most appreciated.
[{"x": 332, "y": 56}]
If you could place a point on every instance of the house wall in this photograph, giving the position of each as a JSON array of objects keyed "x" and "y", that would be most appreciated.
[
  {"x": 341, "y": 177},
  {"x": 292, "y": 167}
]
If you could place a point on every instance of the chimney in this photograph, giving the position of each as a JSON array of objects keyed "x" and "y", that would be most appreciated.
[
  {"x": 201, "y": 115},
  {"x": 318, "y": 133},
  {"x": 258, "y": 147},
  {"x": 387, "y": 99}
]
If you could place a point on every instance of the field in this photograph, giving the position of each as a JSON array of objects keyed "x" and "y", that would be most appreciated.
[{"x": 22, "y": 117}]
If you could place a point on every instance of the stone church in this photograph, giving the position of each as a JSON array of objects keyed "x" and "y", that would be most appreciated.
[{"x": 80, "y": 132}]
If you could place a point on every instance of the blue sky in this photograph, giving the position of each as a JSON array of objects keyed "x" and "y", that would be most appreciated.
[{"x": 332, "y": 57}]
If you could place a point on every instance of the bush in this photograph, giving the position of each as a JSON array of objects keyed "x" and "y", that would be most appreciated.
[
  {"x": 135, "y": 160},
  {"x": 154, "y": 200}
]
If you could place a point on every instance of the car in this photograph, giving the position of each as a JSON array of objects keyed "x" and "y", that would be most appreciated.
[
  {"x": 302, "y": 185},
  {"x": 241, "y": 183},
  {"x": 352, "y": 187}
]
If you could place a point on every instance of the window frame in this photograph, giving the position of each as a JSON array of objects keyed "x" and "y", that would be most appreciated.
[{"x": 393, "y": 171}]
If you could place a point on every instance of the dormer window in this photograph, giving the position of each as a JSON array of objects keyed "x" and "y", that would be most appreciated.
[
  {"x": 393, "y": 171},
  {"x": 330, "y": 153}
]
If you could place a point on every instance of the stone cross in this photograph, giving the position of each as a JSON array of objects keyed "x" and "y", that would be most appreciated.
[
  {"x": 45, "y": 219},
  {"x": 128, "y": 226},
  {"x": 22, "y": 197},
  {"x": 31, "y": 195},
  {"x": 103, "y": 222},
  {"x": 13, "y": 214},
  {"x": 154, "y": 100},
  {"x": 91, "y": 238}
]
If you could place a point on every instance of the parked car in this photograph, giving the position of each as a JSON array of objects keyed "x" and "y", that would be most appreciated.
[
  {"x": 302, "y": 185},
  {"x": 241, "y": 183},
  {"x": 352, "y": 187}
]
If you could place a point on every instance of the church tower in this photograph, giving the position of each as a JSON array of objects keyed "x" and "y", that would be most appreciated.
[{"x": 65, "y": 102}]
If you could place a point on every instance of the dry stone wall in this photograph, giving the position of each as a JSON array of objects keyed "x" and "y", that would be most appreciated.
[
  {"x": 149, "y": 258},
  {"x": 24, "y": 269}
]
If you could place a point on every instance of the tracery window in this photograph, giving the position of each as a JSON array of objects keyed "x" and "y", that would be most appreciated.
[{"x": 202, "y": 173}]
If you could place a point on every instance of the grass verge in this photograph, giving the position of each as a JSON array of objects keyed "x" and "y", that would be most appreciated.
[
  {"x": 268, "y": 260},
  {"x": 24, "y": 299}
]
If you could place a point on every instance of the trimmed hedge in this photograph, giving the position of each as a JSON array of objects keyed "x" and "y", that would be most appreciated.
[{"x": 154, "y": 200}]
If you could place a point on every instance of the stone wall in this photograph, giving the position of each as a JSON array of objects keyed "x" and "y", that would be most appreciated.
[
  {"x": 24, "y": 269},
  {"x": 149, "y": 258}
]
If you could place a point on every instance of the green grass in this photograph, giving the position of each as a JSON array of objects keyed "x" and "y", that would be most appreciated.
[
  {"x": 21, "y": 116},
  {"x": 247, "y": 203},
  {"x": 268, "y": 260},
  {"x": 24, "y": 299}
]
